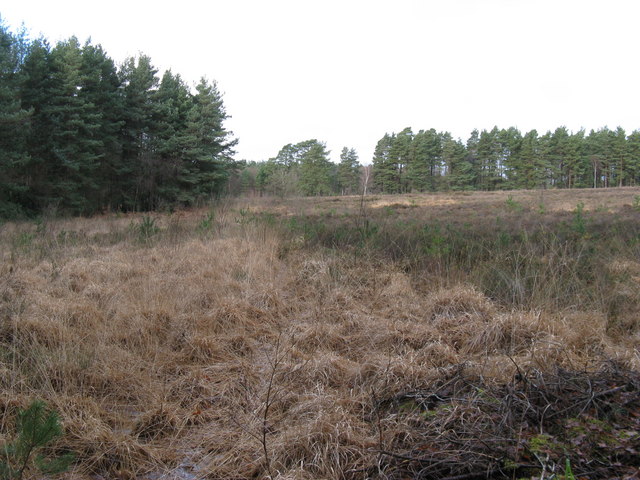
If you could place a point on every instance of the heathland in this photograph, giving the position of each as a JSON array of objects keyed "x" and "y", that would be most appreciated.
[{"x": 464, "y": 335}]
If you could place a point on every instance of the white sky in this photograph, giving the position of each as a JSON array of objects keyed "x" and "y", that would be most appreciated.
[{"x": 347, "y": 71}]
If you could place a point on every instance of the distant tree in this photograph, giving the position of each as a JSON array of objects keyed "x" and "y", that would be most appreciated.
[
  {"x": 64, "y": 143},
  {"x": 633, "y": 149},
  {"x": 274, "y": 178},
  {"x": 576, "y": 164},
  {"x": 489, "y": 154},
  {"x": 460, "y": 172},
  {"x": 280, "y": 174},
  {"x": 349, "y": 172},
  {"x": 385, "y": 171},
  {"x": 597, "y": 151},
  {"x": 315, "y": 170},
  {"x": 510, "y": 141},
  {"x": 558, "y": 146},
  {"x": 425, "y": 166},
  {"x": 619, "y": 163},
  {"x": 535, "y": 169},
  {"x": 400, "y": 157},
  {"x": 472, "y": 156}
]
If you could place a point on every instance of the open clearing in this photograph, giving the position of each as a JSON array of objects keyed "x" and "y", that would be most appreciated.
[{"x": 463, "y": 335}]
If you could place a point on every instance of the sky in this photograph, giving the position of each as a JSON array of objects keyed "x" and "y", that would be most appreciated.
[{"x": 346, "y": 72}]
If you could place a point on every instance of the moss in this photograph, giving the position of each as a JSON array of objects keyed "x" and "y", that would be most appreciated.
[{"x": 546, "y": 444}]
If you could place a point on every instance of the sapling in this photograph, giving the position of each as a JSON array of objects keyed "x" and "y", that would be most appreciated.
[{"x": 36, "y": 427}]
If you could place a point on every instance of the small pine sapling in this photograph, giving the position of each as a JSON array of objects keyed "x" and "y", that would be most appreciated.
[{"x": 36, "y": 428}]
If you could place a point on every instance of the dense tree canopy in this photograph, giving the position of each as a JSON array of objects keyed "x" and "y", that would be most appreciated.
[
  {"x": 79, "y": 135},
  {"x": 435, "y": 161},
  {"x": 506, "y": 159}
]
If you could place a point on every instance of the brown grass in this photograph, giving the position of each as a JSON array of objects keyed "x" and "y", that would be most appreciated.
[{"x": 158, "y": 354}]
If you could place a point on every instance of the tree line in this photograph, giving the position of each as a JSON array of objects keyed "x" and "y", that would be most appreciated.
[
  {"x": 303, "y": 169},
  {"x": 429, "y": 161},
  {"x": 82, "y": 135},
  {"x": 506, "y": 159}
]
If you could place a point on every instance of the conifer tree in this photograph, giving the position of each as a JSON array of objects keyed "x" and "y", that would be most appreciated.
[
  {"x": 619, "y": 157},
  {"x": 489, "y": 154},
  {"x": 349, "y": 172},
  {"x": 315, "y": 170},
  {"x": 426, "y": 161},
  {"x": 533, "y": 172},
  {"x": 101, "y": 90},
  {"x": 460, "y": 173},
  {"x": 385, "y": 174},
  {"x": 76, "y": 144},
  {"x": 208, "y": 148},
  {"x": 510, "y": 141},
  {"x": 400, "y": 156},
  {"x": 472, "y": 156},
  {"x": 633, "y": 149},
  {"x": 174, "y": 176},
  {"x": 14, "y": 123},
  {"x": 35, "y": 92},
  {"x": 137, "y": 176}
]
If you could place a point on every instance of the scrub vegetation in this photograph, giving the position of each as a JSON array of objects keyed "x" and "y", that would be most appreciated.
[{"x": 464, "y": 335}]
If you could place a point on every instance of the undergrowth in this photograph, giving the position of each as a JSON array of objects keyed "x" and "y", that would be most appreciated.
[{"x": 550, "y": 262}]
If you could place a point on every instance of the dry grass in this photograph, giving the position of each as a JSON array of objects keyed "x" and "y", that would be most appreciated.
[{"x": 159, "y": 351}]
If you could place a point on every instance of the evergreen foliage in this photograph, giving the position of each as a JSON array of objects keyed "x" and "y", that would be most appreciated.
[
  {"x": 506, "y": 159},
  {"x": 37, "y": 427},
  {"x": 303, "y": 168},
  {"x": 349, "y": 172},
  {"x": 14, "y": 120},
  {"x": 80, "y": 136}
]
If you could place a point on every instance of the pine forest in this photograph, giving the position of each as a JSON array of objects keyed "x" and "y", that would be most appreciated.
[{"x": 80, "y": 135}]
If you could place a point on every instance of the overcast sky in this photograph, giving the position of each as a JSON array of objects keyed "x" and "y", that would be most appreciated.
[{"x": 347, "y": 71}]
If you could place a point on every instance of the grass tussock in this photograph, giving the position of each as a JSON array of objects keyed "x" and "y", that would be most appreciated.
[{"x": 307, "y": 339}]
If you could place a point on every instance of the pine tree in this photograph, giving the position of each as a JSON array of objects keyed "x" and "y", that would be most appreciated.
[
  {"x": 35, "y": 92},
  {"x": 175, "y": 177},
  {"x": 208, "y": 148},
  {"x": 576, "y": 163},
  {"x": 101, "y": 90},
  {"x": 14, "y": 123},
  {"x": 489, "y": 156},
  {"x": 534, "y": 169},
  {"x": 459, "y": 171},
  {"x": 619, "y": 157},
  {"x": 633, "y": 148},
  {"x": 426, "y": 161},
  {"x": 472, "y": 156},
  {"x": 510, "y": 141},
  {"x": 597, "y": 150},
  {"x": 385, "y": 175},
  {"x": 136, "y": 177},
  {"x": 400, "y": 155},
  {"x": 315, "y": 170},
  {"x": 349, "y": 172},
  {"x": 76, "y": 144}
]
